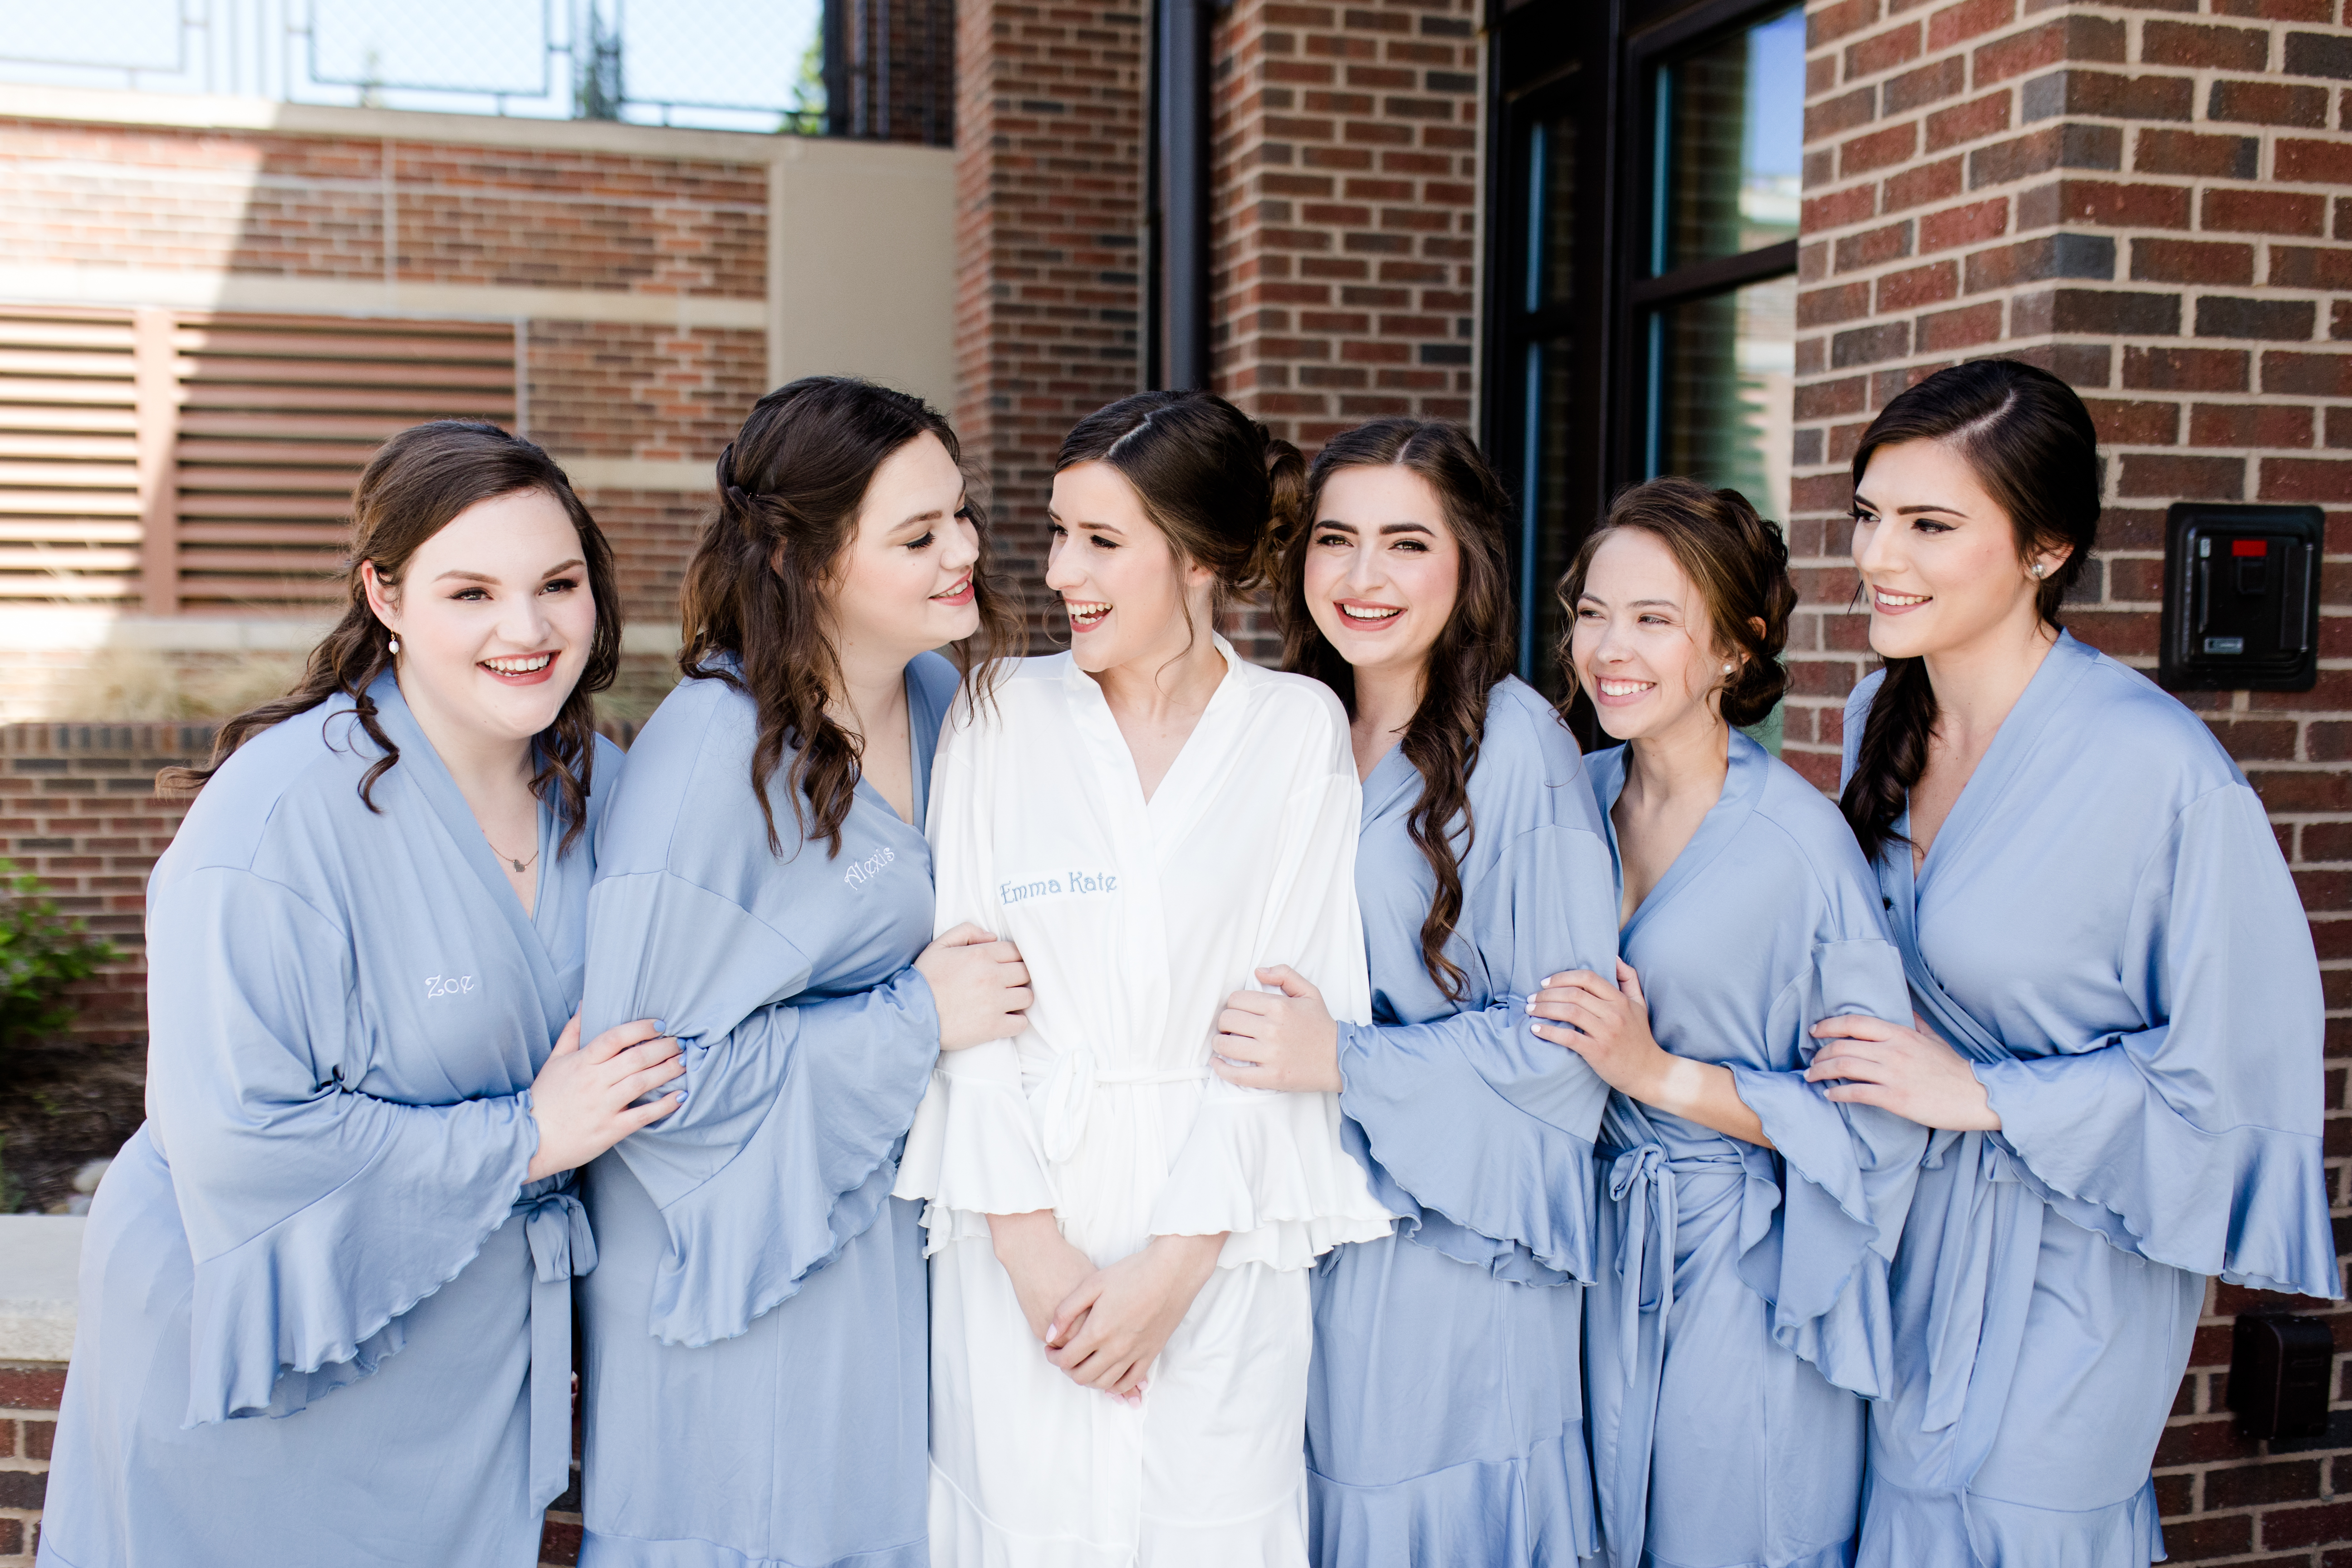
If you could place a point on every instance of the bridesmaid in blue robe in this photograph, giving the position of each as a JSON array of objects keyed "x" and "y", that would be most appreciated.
[
  {"x": 1444, "y": 1422},
  {"x": 1740, "y": 1320},
  {"x": 326, "y": 1289},
  {"x": 756, "y": 1380},
  {"x": 2121, "y": 1016}
]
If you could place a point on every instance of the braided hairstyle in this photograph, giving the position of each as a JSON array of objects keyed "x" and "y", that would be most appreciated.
[
  {"x": 756, "y": 603},
  {"x": 1737, "y": 561},
  {"x": 1475, "y": 649},
  {"x": 2031, "y": 444},
  {"x": 413, "y": 487}
]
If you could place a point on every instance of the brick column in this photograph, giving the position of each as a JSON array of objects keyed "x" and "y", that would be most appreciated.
[
  {"x": 1049, "y": 174},
  {"x": 2141, "y": 202},
  {"x": 1345, "y": 207}
]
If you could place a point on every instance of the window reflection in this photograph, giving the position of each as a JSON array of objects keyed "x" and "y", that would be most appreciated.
[
  {"x": 1723, "y": 379},
  {"x": 1731, "y": 121}
]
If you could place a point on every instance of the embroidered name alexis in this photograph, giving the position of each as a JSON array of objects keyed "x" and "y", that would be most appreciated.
[
  {"x": 860, "y": 872},
  {"x": 1063, "y": 882}
]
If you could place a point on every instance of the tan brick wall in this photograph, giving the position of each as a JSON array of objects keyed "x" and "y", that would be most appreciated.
[
  {"x": 1346, "y": 243},
  {"x": 2141, "y": 198},
  {"x": 619, "y": 389},
  {"x": 308, "y": 206}
]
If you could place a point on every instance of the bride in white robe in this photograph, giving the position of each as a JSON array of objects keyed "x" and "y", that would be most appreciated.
[{"x": 1120, "y": 1322}]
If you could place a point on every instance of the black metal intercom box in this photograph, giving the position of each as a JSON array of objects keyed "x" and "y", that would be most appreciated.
[
  {"x": 2240, "y": 597},
  {"x": 2280, "y": 1372}
]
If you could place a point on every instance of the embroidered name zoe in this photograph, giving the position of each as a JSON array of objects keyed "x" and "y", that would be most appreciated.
[
  {"x": 861, "y": 872},
  {"x": 1061, "y": 883}
]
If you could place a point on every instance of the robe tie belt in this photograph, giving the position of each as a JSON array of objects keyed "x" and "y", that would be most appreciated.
[
  {"x": 1066, "y": 1098},
  {"x": 1644, "y": 1182},
  {"x": 562, "y": 1246}
]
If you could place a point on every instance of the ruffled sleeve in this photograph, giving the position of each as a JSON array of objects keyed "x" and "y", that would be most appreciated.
[
  {"x": 781, "y": 1154},
  {"x": 2196, "y": 1141},
  {"x": 974, "y": 1149},
  {"x": 1264, "y": 1166},
  {"x": 1820, "y": 1259},
  {"x": 316, "y": 1216},
  {"x": 1474, "y": 1119}
]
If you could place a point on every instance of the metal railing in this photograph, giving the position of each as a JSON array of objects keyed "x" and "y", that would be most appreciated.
[{"x": 736, "y": 64}]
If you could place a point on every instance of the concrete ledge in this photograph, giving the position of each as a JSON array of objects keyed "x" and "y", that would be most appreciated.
[
  {"x": 108, "y": 106},
  {"x": 78, "y": 628},
  {"x": 200, "y": 289},
  {"x": 40, "y": 1259}
]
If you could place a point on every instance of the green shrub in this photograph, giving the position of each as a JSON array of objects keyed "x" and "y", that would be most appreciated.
[{"x": 41, "y": 953}]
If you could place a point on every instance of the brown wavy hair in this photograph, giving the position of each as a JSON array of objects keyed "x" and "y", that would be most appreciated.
[
  {"x": 757, "y": 606},
  {"x": 1226, "y": 491},
  {"x": 1737, "y": 561},
  {"x": 1475, "y": 649},
  {"x": 413, "y": 487},
  {"x": 2031, "y": 444}
]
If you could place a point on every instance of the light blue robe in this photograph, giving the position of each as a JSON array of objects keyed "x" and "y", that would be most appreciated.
[
  {"x": 2104, "y": 928},
  {"x": 1741, "y": 1317},
  {"x": 755, "y": 1383},
  {"x": 1443, "y": 1422},
  {"x": 324, "y": 1321}
]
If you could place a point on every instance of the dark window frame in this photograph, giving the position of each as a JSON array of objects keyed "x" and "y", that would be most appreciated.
[{"x": 1601, "y": 56}]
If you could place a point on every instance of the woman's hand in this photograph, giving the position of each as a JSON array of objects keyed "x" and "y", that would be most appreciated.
[
  {"x": 1278, "y": 1042},
  {"x": 1110, "y": 1331},
  {"x": 979, "y": 984},
  {"x": 1615, "y": 1038},
  {"x": 1044, "y": 1265},
  {"x": 1612, "y": 1029},
  {"x": 581, "y": 1097},
  {"x": 1911, "y": 1072}
]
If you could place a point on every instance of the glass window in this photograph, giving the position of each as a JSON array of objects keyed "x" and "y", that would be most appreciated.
[
  {"x": 1723, "y": 388},
  {"x": 1731, "y": 121},
  {"x": 1717, "y": 313}
]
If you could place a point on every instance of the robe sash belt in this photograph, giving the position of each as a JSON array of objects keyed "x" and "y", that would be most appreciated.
[
  {"x": 562, "y": 1246},
  {"x": 1986, "y": 1255},
  {"x": 1066, "y": 1100},
  {"x": 1645, "y": 1180}
]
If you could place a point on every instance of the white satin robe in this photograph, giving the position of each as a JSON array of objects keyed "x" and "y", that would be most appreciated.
[{"x": 1137, "y": 918}]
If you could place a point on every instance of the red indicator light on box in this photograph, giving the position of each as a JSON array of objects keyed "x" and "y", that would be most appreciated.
[{"x": 2249, "y": 547}]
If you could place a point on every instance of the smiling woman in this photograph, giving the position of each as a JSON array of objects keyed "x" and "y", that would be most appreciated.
[
  {"x": 351, "y": 1210},
  {"x": 2120, "y": 1009},
  {"x": 754, "y": 1384}
]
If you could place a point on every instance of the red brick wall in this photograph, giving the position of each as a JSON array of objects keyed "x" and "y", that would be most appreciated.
[
  {"x": 29, "y": 1393},
  {"x": 1346, "y": 233},
  {"x": 2141, "y": 198},
  {"x": 1049, "y": 184}
]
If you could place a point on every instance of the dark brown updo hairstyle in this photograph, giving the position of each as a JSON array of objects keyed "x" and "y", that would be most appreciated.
[
  {"x": 756, "y": 606},
  {"x": 1475, "y": 649},
  {"x": 1737, "y": 561},
  {"x": 1225, "y": 492},
  {"x": 413, "y": 487},
  {"x": 2031, "y": 444}
]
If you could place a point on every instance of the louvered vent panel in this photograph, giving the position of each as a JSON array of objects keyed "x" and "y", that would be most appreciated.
[
  {"x": 69, "y": 502},
  {"x": 277, "y": 416}
]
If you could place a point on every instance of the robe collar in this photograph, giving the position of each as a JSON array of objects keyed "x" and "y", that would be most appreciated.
[
  {"x": 1170, "y": 810},
  {"x": 1391, "y": 779},
  {"x": 918, "y": 755},
  {"x": 425, "y": 771},
  {"x": 1743, "y": 787},
  {"x": 2012, "y": 748}
]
